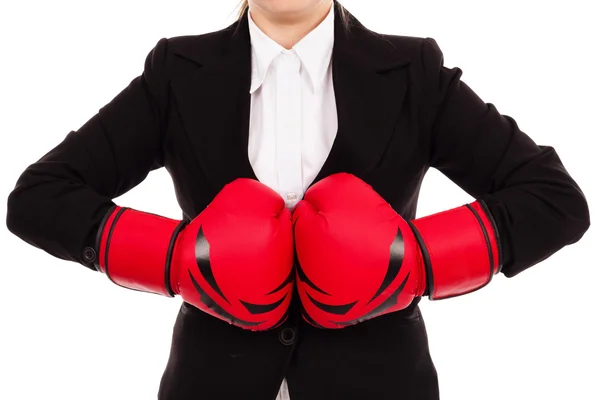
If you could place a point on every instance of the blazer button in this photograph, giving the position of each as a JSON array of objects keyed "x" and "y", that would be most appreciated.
[
  {"x": 89, "y": 254},
  {"x": 286, "y": 336}
]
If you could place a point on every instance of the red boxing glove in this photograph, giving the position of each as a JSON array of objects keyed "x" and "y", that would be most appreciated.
[
  {"x": 359, "y": 259},
  {"x": 233, "y": 261}
]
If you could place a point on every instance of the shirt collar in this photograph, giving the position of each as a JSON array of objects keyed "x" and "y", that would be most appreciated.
[{"x": 314, "y": 51}]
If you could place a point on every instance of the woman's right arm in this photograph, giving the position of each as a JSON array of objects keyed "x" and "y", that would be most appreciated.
[
  {"x": 59, "y": 201},
  {"x": 63, "y": 204}
]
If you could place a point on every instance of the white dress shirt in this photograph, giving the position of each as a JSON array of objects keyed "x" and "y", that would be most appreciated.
[
  {"x": 293, "y": 116},
  {"x": 293, "y": 119}
]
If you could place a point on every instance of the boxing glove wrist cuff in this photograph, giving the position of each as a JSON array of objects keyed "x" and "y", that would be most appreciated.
[
  {"x": 460, "y": 249},
  {"x": 135, "y": 248}
]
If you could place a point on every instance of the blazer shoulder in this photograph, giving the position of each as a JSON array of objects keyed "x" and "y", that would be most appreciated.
[
  {"x": 201, "y": 47},
  {"x": 421, "y": 50},
  {"x": 418, "y": 51},
  {"x": 178, "y": 55},
  {"x": 209, "y": 41},
  {"x": 407, "y": 43}
]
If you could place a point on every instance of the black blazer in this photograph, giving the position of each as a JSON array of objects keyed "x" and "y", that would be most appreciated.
[{"x": 400, "y": 112}]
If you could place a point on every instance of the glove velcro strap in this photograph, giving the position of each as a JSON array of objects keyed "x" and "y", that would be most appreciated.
[
  {"x": 134, "y": 249},
  {"x": 460, "y": 250}
]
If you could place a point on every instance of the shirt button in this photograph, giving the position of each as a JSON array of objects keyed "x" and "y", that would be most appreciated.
[
  {"x": 291, "y": 199},
  {"x": 291, "y": 196},
  {"x": 286, "y": 336}
]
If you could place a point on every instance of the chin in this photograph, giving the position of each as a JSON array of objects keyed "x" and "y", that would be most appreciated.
[{"x": 283, "y": 7}]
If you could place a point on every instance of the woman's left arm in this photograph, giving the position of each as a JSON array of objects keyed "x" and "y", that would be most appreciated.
[{"x": 537, "y": 206}]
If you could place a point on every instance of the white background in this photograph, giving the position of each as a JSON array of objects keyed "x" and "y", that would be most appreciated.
[{"x": 67, "y": 332}]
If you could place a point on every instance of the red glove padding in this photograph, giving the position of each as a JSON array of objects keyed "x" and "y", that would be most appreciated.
[
  {"x": 358, "y": 259},
  {"x": 233, "y": 261}
]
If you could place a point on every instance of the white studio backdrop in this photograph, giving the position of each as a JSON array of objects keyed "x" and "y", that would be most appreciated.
[{"x": 68, "y": 333}]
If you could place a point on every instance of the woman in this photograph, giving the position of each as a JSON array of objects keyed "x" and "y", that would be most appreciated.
[{"x": 296, "y": 115}]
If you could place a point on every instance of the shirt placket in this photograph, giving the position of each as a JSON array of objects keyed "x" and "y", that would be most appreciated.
[{"x": 289, "y": 127}]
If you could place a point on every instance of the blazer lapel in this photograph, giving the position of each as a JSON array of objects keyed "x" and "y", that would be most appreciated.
[
  {"x": 370, "y": 84},
  {"x": 214, "y": 103}
]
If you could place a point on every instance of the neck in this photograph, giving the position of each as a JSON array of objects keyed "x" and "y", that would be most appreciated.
[{"x": 289, "y": 28}]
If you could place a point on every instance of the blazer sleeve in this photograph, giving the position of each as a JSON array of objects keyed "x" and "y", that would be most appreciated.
[
  {"x": 537, "y": 207},
  {"x": 59, "y": 201}
]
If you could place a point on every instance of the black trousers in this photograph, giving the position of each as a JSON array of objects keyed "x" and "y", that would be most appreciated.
[{"x": 384, "y": 358}]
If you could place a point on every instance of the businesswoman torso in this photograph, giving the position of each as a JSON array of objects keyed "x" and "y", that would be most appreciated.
[{"x": 215, "y": 107}]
